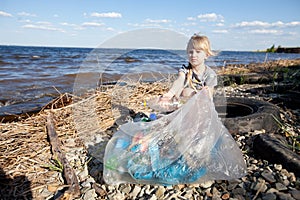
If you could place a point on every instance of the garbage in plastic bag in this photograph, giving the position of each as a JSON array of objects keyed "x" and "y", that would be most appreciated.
[{"x": 189, "y": 145}]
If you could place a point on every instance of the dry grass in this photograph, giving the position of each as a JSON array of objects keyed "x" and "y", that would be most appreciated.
[{"x": 25, "y": 150}]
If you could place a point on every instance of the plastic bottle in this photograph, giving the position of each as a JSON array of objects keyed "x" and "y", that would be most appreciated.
[
  {"x": 152, "y": 116},
  {"x": 140, "y": 116}
]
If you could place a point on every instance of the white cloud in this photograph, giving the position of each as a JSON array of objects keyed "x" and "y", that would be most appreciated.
[
  {"x": 25, "y": 14},
  {"x": 210, "y": 17},
  {"x": 293, "y": 24},
  {"x": 92, "y": 24},
  {"x": 252, "y": 24},
  {"x": 107, "y": 15},
  {"x": 261, "y": 24},
  {"x": 158, "y": 21},
  {"x": 25, "y": 21},
  {"x": 67, "y": 24},
  {"x": 220, "y": 31},
  {"x": 189, "y": 24},
  {"x": 74, "y": 26},
  {"x": 219, "y": 24},
  {"x": 191, "y": 18},
  {"x": 265, "y": 31},
  {"x": 42, "y": 27},
  {"x": 292, "y": 33},
  {"x": 110, "y": 29},
  {"x": 5, "y": 14},
  {"x": 44, "y": 23},
  {"x": 144, "y": 25}
]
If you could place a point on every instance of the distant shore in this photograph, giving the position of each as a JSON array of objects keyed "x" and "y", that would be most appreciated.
[{"x": 258, "y": 67}]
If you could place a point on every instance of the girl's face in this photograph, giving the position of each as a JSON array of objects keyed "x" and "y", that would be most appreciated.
[{"x": 196, "y": 56}]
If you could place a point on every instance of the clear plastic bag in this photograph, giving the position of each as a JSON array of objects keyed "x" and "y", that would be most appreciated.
[
  {"x": 189, "y": 145},
  {"x": 166, "y": 106}
]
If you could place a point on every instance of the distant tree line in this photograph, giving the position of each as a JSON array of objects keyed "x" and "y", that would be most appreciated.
[
  {"x": 280, "y": 49},
  {"x": 272, "y": 49}
]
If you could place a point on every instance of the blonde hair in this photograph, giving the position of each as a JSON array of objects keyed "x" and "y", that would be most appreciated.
[{"x": 200, "y": 42}]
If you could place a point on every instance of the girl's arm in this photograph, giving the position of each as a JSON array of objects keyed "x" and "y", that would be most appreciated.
[
  {"x": 210, "y": 91},
  {"x": 176, "y": 88}
]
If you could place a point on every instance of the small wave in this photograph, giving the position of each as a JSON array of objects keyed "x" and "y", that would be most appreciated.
[
  {"x": 6, "y": 102},
  {"x": 35, "y": 57},
  {"x": 20, "y": 56},
  {"x": 4, "y": 63},
  {"x": 128, "y": 59}
]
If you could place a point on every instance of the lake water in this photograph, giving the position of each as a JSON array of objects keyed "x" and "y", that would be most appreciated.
[{"x": 30, "y": 77}]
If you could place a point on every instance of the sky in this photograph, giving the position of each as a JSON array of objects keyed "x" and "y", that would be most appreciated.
[{"x": 229, "y": 24}]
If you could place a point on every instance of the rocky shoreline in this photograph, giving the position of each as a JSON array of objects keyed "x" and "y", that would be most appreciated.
[{"x": 27, "y": 169}]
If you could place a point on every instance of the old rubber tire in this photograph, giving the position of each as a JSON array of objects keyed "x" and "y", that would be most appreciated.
[
  {"x": 270, "y": 147},
  {"x": 245, "y": 115}
]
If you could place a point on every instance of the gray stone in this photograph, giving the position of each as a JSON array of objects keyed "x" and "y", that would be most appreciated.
[
  {"x": 280, "y": 186},
  {"x": 160, "y": 192},
  {"x": 153, "y": 197},
  {"x": 278, "y": 167},
  {"x": 260, "y": 186},
  {"x": 295, "y": 193},
  {"x": 90, "y": 194},
  {"x": 269, "y": 196},
  {"x": 286, "y": 182},
  {"x": 268, "y": 176},
  {"x": 135, "y": 191},
  {"x": 231, "y": 186},
  {"x": 45, "y": 193},
  {"x": 284, "y": 196},
  {"x": 216, "y": 193},
  {"x": 86, "y": 184},
  {"x": 292, "y": 177},
  {"x": 118, "y": 196},
  {"x": 272, "y": 190},
  {"x": 188, "y": 194},
  {"x": 239, "y": 191},
  {"x": 207, "y": 184},
  {"x": 148, "y": 189},
  {"x": 125, "y": 189}
]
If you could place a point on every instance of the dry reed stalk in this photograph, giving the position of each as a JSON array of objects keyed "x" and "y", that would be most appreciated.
[{"x": 69, "y": 174}]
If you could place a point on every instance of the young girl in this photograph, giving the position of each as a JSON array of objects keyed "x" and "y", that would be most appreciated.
[
  {"x": 196, "y": 75},
  {"x": 190, "y": 145}
]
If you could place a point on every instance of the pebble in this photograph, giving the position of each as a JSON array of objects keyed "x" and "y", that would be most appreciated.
[
  {"x": 135, "y": 191},
  {"x": 280, "y": 186},
  {"x": 269, "y": 196},
  {"x": 268, "y": 176},
  {"x": 278, "y": 167},
  {"x": 125, "y": 189},
  {"x": 206, "y": 184},
  {"x": 225, "y": 196},
  {"x": 90, "y": 194},
  {"x": 160, "y": 192},
  {"x": 295, "y": 194}
]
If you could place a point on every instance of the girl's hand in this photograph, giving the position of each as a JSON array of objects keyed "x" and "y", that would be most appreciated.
[{"x": 164, "y": 101}]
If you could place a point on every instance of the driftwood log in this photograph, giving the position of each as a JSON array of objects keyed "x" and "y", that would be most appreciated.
[{"x": 68, "y": 172}]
